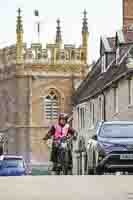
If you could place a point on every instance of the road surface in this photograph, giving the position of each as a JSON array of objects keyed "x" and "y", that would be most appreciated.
[{"x": 66, "y": 188}]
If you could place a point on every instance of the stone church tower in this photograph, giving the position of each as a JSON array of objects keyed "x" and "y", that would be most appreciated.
[
  {"x": 36, "y": 84},
  {"x": 127, "y": 13}
]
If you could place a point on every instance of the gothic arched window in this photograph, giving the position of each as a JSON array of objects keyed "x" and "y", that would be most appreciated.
[{"x": 52, "y": 105}]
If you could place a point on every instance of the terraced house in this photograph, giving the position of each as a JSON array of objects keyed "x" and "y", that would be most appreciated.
[{"x": 107, "y": 92}]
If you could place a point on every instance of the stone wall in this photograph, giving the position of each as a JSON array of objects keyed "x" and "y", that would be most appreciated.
[
  {"x": 127, "y": 13},
  {"x": 41, "y": 88}
]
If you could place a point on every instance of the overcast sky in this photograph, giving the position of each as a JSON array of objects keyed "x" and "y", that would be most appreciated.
[{"x": 104, "y": 18}]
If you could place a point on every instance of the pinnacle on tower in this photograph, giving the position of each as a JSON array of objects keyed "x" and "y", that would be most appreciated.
[
  {"x": 85, "y": 23},
  {"x": 19, "y": 41},
  {"x": 85, "y": 35},
  {"x": 58, "y": 32},
  {"x": 19, "y": 22}
]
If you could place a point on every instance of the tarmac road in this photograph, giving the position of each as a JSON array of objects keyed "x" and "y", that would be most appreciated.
[{"x": 66, "y": 188}]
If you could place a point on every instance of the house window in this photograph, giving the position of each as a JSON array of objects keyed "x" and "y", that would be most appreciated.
[
  {"x": 87, "y": 116},
  {"x": 130, "y": 93},
  {"x": 78, "y": 117},
  {"x": 82, "y": 118},
  {"x": 117, "y": 54},
  {"x": 52, "y": 106},
  {"x": 104, "y": 63},
  {"x": 115, "y": 99},
  {"x": 101, "y": 108},
  {"x": 92, "y": 114}
]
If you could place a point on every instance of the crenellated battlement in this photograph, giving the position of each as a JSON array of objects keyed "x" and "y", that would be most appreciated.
[
  {"x": 8, "y": 55},
  {"x": 52, "y": 54}
]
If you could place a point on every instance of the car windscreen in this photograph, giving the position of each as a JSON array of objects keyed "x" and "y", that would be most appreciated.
[
  {"x": 12, "y": 163},
  {"x": 117, "y": 131}
]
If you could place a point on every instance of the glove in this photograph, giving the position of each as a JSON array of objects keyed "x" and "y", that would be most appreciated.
[{"x": 44, "y": 139}]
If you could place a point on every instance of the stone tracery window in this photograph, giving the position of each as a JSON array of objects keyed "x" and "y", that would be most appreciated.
[{"x": 52, "y": 105}]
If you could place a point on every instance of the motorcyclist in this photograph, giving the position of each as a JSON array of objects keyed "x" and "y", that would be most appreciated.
[{"x": 61, "y": 129}]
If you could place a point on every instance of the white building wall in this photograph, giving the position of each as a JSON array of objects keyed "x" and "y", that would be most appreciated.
[{"x": 125, "y": 111}]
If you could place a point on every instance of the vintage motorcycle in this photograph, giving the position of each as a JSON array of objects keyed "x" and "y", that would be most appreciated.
[{"x": 63, "y": 158}]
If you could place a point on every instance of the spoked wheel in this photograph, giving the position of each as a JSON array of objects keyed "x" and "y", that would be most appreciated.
[
  {"x": 65, "y": 166},
  {"x": 64, "y": 162}
]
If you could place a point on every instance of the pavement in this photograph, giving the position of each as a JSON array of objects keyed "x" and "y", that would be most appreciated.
[{"x": 66, "y": 188}]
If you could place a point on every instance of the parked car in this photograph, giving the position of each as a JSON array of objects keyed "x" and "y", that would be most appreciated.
[
  {"x": 111, "y": 148},
  {"x": 12, "y": 166}
]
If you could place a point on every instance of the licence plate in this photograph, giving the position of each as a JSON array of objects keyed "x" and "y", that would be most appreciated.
[{"x": 126, "y": 157}]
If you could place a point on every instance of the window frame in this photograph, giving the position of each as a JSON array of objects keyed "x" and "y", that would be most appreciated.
[
  {"x": 101, "y": 108},
  {"x": 104, "y": 63},
  {"x": 130, "y": 91},
  {"x": 117, "y": 54},
  {"x": 92, "y": 114},
  {"x": 116, "y": 100},
  {"x": 52, "y": 107}
]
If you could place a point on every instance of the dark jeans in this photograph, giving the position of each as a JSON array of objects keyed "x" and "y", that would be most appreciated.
[{"x": 54, "y": 155}]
